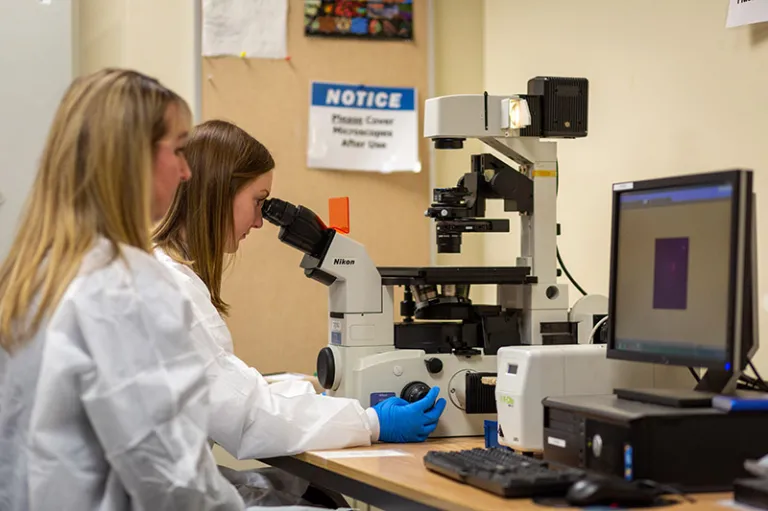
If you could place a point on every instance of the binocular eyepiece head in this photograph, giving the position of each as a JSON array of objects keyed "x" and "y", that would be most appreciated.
[
  {"x": 300, "y": 227},
  {"x": 278, "y": 212}
]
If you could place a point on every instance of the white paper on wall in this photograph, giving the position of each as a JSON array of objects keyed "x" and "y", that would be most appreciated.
[
  {"x": 361, "y": 127},
  {"x": 245, "y": 28},
  {"x": 746, "y": 12}
]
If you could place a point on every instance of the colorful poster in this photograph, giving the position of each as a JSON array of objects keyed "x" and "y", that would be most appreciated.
[
  {"x": 367, "y": 19},
  {"x": 358, "y": 127}
]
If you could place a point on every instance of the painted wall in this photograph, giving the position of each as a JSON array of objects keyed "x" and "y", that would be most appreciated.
[
  {"x": 672, "y": 91},
  {"x": 155, "y": 37}
]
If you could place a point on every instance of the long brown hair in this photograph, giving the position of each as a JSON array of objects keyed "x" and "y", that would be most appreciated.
[
  {"x": 223, "y": 159},
  {"x": 94, "y": 179}
]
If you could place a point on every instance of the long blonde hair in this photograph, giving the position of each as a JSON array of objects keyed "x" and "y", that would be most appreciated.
[
  {"x": 94, "y": 179},
  {"x": 223, "y": 159}
]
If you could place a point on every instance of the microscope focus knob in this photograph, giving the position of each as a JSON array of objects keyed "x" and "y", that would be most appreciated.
[
  {"x": 326, "y": 368},
  {"x": 434, "y": 365},
  {"x": 415, "y": 391}
]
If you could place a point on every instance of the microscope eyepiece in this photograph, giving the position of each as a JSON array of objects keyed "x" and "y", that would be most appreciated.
[
  {"x": 278, "y": 212},
  {"x": 300, "y": 227}
]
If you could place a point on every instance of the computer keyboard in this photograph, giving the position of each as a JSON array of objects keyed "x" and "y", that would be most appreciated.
[{"x": 503, "y": 472}]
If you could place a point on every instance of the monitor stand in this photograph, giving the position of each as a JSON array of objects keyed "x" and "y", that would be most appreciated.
[{"x": 714, "y": 382}]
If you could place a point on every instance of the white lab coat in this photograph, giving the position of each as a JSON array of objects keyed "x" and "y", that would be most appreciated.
[
  {"x": 252, "y": 419},
  {"x": 106, "y": 407}
]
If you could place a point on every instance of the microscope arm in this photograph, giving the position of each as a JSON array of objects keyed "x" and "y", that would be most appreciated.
[{"x": 330, "y": 258}]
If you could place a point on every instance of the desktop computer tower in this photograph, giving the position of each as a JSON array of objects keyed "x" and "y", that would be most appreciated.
[{"x": 692, "y": 449}]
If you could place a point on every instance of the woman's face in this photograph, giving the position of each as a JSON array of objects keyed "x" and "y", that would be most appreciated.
[
  {"x": 246, "y": 214},
  {"x": 169, "y": 166}
]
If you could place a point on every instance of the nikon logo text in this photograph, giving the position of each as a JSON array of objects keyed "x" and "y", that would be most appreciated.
[{"x": 339, "y": 261}]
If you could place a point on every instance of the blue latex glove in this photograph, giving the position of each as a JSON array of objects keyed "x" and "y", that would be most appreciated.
[{"x": 401, "y": 421}]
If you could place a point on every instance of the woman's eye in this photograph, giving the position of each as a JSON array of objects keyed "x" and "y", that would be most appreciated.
[{"x": 179, "y": 151}]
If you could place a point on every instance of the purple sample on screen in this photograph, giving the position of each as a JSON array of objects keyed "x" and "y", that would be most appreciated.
[{"x": 670, "y": 274}]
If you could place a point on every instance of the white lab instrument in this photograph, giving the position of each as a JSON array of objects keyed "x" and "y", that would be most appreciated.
[{"x": 528, "y": 374}]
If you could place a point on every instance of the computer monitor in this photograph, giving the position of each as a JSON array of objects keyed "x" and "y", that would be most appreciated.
[{"x": 683, "y": 280}]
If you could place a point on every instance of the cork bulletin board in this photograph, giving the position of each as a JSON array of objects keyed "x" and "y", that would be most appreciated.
[{"x": 279, "y": 317}]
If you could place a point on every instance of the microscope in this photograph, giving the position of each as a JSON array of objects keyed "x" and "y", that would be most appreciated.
[
  {"x": 523, "y": 128},
  {"x": 444, "y": 338}
]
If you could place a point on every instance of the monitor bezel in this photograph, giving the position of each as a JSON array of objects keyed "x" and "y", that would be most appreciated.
[{"x": 737, "y": 178}]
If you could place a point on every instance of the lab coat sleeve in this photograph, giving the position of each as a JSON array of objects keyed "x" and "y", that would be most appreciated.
[
  {"x": 147, "y": 400},
  {"x": 292, "y": 388},
  {"x": 249, "y": 417},
  {"x": 252, "y": 420}
]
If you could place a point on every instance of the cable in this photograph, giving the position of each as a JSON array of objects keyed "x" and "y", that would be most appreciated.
[
  {"x": 557, "y": 248},
  {"x": 749, "y": 383},
  {"x": 754, "y": 383},
  {"x": 746, "y": 382},
  {"x": 568, "y": 274},
  {"x": 696, "y": 376},
  {"x": 595, "y": 329},
  {"x": 759, "y": 378}
]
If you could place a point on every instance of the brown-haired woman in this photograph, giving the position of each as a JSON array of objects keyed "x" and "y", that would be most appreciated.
[
  {"x": 210, "y": 215},
  {"x": 103, "y": 404}
]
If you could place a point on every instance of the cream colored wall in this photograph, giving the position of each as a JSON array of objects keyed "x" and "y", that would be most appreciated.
[
  {"x": 151, "y": 36},
  {"x": 459, "y": 69},
  {"x": 458, "y": 54},
  {"x": 671, "y": 91},
  {"x": 101, "y": 34}
]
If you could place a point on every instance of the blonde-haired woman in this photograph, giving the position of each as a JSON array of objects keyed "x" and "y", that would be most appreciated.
[
  {"x": 103, "y": 401},
  {"x": 210, "y": 215}
]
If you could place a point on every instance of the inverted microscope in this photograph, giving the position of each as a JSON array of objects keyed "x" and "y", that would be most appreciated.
[{"x": 444, "y": 338}]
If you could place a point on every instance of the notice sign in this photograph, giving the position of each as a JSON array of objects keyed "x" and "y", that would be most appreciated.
[
  {"x": 745, "y": 12},
  {"x": 355, "y": 127}
]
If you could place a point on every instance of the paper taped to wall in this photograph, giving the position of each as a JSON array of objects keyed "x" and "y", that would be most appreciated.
[
  {"x": 245, "y": 28},
  {"x": 746, "y": 12},
  {"x": 360, "y": 127}
]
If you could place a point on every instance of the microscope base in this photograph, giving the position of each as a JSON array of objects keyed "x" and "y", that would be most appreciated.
[{"x": 369, "y": 376}]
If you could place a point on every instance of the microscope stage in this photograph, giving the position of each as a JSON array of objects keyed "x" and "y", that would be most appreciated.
[{"x": 406, "y": 276}]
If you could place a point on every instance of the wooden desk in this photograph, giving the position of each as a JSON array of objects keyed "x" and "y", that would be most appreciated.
[{"x": 403, "y": 483}]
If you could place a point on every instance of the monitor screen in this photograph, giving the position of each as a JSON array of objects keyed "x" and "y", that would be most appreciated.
[{"x": 673, "y": 264}]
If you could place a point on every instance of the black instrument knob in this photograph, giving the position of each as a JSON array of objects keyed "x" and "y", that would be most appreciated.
[
  {"x": 326, "y": 368},
  {"x": 434, "y": 365},
  {"x": 415, "y": 391}
]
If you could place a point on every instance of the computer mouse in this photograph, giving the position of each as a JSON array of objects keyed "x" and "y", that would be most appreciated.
[{"x": 607, "y": 491}]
